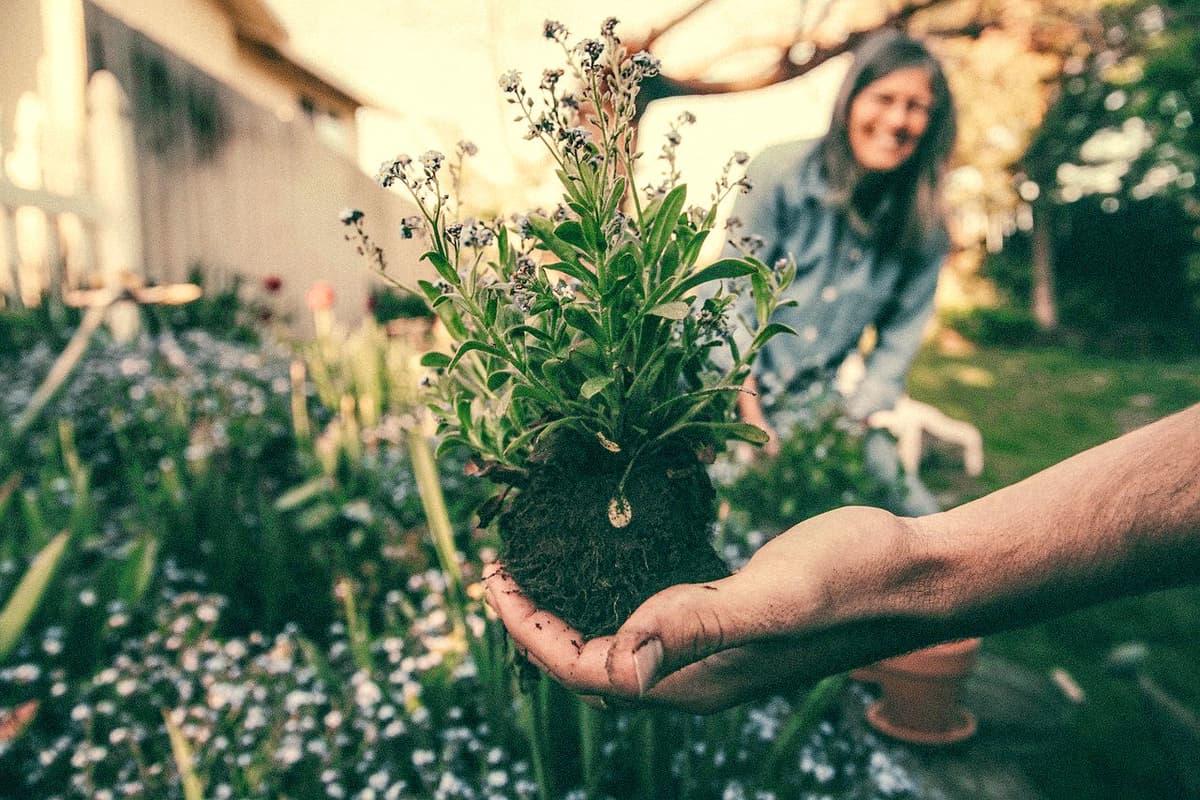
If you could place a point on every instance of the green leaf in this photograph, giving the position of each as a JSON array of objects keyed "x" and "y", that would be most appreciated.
[
  {"x": 588, "y": 348},
  {"x": 615, "y": 288},
  {"x": 551, "y": 368},
  {"x": 431, "y": 292},
  {"x": 435, "y": 359},
  {"x": 819, "y": 700},
  {"x": 452, "y": 320},
  {"x": 565, "y": 422},
  {"x": 668, "y": 265},
  {"x": 674, "y": 310},
  {"x": 531, "y": 392},
  {"x": 26, "y": 598},
  {"x": 664, "y": 222},
  {"x": 593, "y": 386},
  {"x": 570, "y": 265},
  {"x": 614, "y": 197},
  {"x": 576, "y": 271},
  {"x": 474, "y": 345},
  {"x": 463, "y": 411},
  {"x": 498, "y": 379},
  {"x": 671, "y": 408},
  {"x": 448, "y": 443},
  {"x": 643, "y": 382},
  {"x": 769, "y": 332},
  {"x": 594, "y": 237},
  {"x": 762, "y": 298},
  {"x": 580, "y": 318},
  {"x": 692, "y": 251},
  {"x": 522, "y": 329},
  {"x": 742, "y": 431},
  {"x": 572, "y": 233},
  {"x": 489, "y": 310},
  {"x": 502, "y": 244},
  {"x": 719, "y": 270},
  {"x": 569, "y": 183},
  {"x": 443, "y": 266}
]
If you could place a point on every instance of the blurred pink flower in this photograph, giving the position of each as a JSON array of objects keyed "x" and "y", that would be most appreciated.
[{"x": 319, "y": 296}]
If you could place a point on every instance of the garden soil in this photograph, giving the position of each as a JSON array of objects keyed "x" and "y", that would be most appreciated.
[{"x": 564, "y": 552}]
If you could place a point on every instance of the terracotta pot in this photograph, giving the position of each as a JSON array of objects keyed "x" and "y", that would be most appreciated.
[{"x": 921, "y": 694}]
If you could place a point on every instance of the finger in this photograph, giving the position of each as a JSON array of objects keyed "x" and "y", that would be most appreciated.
[
  {"x": 546, "y": 640},
  {"x": 676, "y": 627},
  {"x": 542, "y": 633},
  {"x": 731, "y": 677}
]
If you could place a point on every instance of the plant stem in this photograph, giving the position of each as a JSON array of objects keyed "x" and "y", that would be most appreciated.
[{"x": 589, "y": 721}]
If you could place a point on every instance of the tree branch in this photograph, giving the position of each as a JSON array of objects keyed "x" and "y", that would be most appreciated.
[
  {"x": 665, "y": 85},
  {"x": 655, "y": 33}
]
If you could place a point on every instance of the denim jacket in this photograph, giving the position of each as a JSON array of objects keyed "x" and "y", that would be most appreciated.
[{"x": 843, "y": 284}]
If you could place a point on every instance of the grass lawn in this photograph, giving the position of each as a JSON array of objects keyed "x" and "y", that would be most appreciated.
[{"x": 1034, "y": 408}]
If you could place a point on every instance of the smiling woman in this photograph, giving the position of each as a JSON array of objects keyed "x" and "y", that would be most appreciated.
[
  {"x": 889, "y": 117},
  {"x": 859, "y": 212}
]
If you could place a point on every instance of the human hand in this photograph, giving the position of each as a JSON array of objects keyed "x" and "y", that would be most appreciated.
[
  {"x": 750, "y": 410},
  {"x": 800, "y": 609}
]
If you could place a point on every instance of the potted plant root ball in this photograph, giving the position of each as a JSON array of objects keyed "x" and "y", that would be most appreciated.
[{"x": 595, "y": 363}]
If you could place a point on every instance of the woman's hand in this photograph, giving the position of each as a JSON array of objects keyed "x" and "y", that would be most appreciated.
[
  {"x": 793, "y": 614},
  {"x": 750, "y": 410}
]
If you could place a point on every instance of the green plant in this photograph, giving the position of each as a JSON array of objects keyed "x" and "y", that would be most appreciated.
[
  {"x": 592, "y": 352},
  {"x": 819, "y": 467}
]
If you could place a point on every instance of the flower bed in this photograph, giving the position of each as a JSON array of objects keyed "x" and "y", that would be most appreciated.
[{"x": 273, "y": 598}]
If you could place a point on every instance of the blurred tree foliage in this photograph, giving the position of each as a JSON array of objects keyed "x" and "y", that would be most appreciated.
[{"x": 1109, "y": 179}]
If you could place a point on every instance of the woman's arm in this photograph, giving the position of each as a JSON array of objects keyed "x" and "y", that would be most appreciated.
[{"x": 858, "y": 584}]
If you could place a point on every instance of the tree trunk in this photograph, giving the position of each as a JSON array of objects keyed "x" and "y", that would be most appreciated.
[{"x": 1045, "y": 309}]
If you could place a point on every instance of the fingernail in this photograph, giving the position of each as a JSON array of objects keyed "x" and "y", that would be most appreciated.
[{"x": 646, "y": 661}]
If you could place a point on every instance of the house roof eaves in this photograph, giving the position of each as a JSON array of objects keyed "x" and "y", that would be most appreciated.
[
  {"x": 253, "y": 19},
  {"x": 260, "y": 32}
]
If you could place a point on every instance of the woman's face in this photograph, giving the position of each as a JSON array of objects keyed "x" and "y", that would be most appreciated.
[{"x": 888, "y": 117}]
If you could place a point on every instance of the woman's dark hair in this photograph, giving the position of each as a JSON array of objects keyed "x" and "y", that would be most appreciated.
[{"x": 915, "y": 187}]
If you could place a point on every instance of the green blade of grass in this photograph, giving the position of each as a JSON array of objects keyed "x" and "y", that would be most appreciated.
[
  {"x": 138, "y": 570},
  {"x": 812, "y": 709},
  {"x": 27, "y": 596},
  {"x": 193, "y": 788},
  {"x": 7, "y": 489}
]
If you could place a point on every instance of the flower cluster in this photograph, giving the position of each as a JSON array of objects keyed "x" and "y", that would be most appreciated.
[
  {"x": 268, "y": 716},
  {"x": 192, "y": 393},
  {"x": 273, "y": 715}
]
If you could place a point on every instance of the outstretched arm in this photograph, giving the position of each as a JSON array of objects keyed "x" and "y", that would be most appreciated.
[{"x": 857, "y": 584}]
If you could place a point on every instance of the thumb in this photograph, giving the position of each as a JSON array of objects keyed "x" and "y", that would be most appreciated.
[{"x": 676, "y": 627}]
